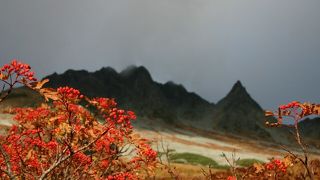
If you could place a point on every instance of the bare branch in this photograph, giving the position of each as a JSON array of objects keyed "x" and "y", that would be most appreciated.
[{"x": 8, "y": 164}]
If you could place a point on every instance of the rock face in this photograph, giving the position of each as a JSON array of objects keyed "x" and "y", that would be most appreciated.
[
  {"x": 238, "y": 113},
  {"x": 135, "y": 89}
]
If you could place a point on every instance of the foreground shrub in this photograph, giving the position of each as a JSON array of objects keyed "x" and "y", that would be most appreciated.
[
  {"x": 64, "y": 140},
  {"x": 295, "y": 112}
]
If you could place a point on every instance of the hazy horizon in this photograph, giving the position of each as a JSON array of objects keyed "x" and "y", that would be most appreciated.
[{"x": 272, "y": 47}]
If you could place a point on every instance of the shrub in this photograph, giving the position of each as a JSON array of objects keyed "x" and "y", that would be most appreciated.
[
  {"x": 64, "y": 140},
  {"x": 296, "y": 112}
]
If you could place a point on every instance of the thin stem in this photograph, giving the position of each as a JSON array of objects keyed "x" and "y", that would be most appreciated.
[
  {"x": 7, "y": 93},
  {"x": 8, "y": 164},
  {"x": 304, "y": 149}
]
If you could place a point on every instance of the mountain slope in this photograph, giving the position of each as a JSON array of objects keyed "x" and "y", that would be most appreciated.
[{"x": 309, "y": 129}]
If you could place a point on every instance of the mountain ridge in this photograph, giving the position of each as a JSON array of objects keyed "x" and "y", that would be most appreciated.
[{"x": 133, "y": 88}]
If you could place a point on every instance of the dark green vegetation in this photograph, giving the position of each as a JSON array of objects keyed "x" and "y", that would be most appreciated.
[
  {"x": 196, "y": 159},
  {"x": 247, "y": 162}
]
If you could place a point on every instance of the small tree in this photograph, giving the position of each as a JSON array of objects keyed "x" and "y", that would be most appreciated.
[
  {"x": 296, "y": 111},
  {"x": 62, "y": 139}
]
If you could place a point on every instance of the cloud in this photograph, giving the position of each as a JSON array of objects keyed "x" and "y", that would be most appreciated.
[{"x": 271, "y": 46}]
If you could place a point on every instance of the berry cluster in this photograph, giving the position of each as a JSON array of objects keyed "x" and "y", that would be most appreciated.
[
  {"x": 21, "y": 70},
  {"x": 293, "y": 104},
  {"x": 69, "y": 93},
  {"x": 276, "y": 165},
  {"x": 104, "y": 103},
  {"x": 231, "y": 178}
]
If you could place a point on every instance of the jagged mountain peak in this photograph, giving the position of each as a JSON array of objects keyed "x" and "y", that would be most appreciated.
[
  {"x": 239, "y": 113},
  {"x": 238, "y": 90},
  {"x": 238, "y": 86},
  {"x": 72, "y": 71},
  {"x": 238, "y": 95},
  {"x": 107, "y": 70},
  {"x": 136, "y": 71}
]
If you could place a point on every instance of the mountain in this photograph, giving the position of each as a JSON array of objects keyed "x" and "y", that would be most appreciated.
[
  {"x": 134, "y": 88},
  {"x": 238, "y": 113}
]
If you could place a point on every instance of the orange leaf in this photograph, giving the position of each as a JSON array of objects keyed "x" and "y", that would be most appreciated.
[
  {"x": 258, "y": 168},
  {"x": 91, "y": 133},
  {"x": 49, "y": 93},
  {"x": 3, "y": 76},
  {"x": 268, "y": 113},
  {"x": 41, "y": 83}
]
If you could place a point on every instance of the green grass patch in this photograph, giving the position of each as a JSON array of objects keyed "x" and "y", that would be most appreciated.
[
  {"x": 247, "y": 162},
  {"x": 190, "y": 158}
]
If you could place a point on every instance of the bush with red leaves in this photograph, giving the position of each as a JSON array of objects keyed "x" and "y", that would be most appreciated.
[{"x": 62, "y": 139}]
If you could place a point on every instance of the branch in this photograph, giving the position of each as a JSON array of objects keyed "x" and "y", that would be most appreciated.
[
  {"x": 8, "y": 164},
  {"x": 304, "y": 149},
  {"x": 61, "y": 160},
  {"x": 6, "y": 94}
]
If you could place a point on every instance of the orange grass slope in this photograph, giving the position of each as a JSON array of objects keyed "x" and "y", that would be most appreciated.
[{"x": 294, "y": 171}]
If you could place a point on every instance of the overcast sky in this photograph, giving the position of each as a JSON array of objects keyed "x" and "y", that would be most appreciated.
[{"x": 272, "y": 46}]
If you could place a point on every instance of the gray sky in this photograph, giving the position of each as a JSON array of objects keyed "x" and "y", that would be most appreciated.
[{"x": 272, "y": 46}]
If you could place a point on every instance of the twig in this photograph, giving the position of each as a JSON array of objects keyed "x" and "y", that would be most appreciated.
[
  {"x": 8, "y": 164},
  {"x": 61, "y": 160},
  {"x": 305, "y": 162}
]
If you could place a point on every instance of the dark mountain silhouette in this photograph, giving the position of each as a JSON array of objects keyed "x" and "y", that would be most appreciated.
[
  {"x": 134, "y": 88},
  {"x": 238, "y": 113}
]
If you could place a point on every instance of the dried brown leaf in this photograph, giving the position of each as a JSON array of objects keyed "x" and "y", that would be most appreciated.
[
  {"x": 41, "y": 83},
  {"x": 49, "y": 93},
  {"x": 268, "y": 113},
  {"x": 258, "y": 168}
]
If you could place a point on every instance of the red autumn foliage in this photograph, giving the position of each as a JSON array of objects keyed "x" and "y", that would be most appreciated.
[
  {"x": 65, "y": 139},
  {"x": 296, "y": 112},
  {"x": 74, "y": 137},
  {"x": 276, "y": 165}
]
